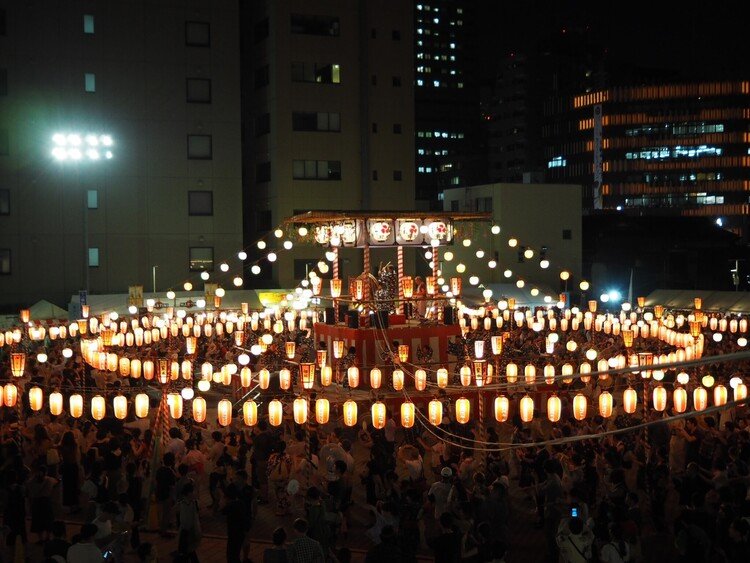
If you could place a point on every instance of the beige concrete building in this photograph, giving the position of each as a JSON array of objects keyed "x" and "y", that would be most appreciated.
[
  {"x": 543, "y": 218},
  {"x": 328, "y": 116},
  {"x": 119, "y": 144}
]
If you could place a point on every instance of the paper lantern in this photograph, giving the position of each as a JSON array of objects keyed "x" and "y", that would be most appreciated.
[
  {"x": 740, "y": 392},
  {"x": 554, "y": 408},
  {"x": 10, "y": 395},
  {"x": 377, "y": 411},
  {"x": 338, "y": 349},
  {"x": 660, "y": 398},
  {"x": 497, "y": 345},
  {"x": 25, "y": 315},
  {"x": 135, "y": 368},
  {"x": 148, "y": 370},
  {"x": 463, "y": 410},
  {"x": 224, "y": 412},
  {"x": 190, "y": 344},
  {"x": 465, "y": 375},
  {"x": 326, "y": 376},
  {"x": 407, "y": 414},
  {"x": 455, "y": 284},
  {"x": 352, "y": 375},
  {"x": 120, "y": 407},
  {"x": 376, "y": 378},
  {"x": 17, "y": 363},
  {"x": 250, "y": 413},
  {"x": 207, "y": 371},
  {"x": 442, "y": 378},
  {"x": 700, "y": 398},
  {"x": 36, "y": 398},
  {"x": 605, "y": 404},
  {"x": 264, "y": 378},
  {"x": 407, "y": 287},
  {"x": 290, "y": 348},
  {"x": 403, "y": 352},
  {"x": 275, "y": 412},
  {"x": 75, "y": 405},
  {"x": 98, "y": 407},
  {"x": 55, "y": 403},
  {"x": 141, "y": 405},
  {"x": 246, "y": 377},
  {"x": 335, "y": 288},
  {"x": 502, "y": 408},
  {"x": 350, "y": 413},
  {"x": 420, "y": 380},
  {"x": 431, "y": 285},
  {"x": 322, "y": 411},
  {"x": 299, "y": 410},
  {"x": 435, "y": 412},
  {"x": 307, "y": 375},
  {"x": 720, "y": 395},
  {"x": 511, "y": 373},
  {"x": 526, "y": 409},
  {"x": 321, "y": 356},
  {"x": 679, "y": 399},
  {"x": 285, "y": 378},
  {"x": 357, "y": 289},
  {"x": 398, "y": 379},
  {"x": 580, "y": 406},
  {"x": 225, "y": 375},
  {"x": 174, "y": 402},
  {"x": 627, "y": 337},
  {"x": 479, "y": 349},
  {"x": 529, "y": 374},
  {"x": 549, "y": 374},
  {"x": 199, "y": 410}
]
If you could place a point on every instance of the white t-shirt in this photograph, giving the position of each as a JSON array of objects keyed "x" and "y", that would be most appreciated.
[
  {"x": 84, "y": 553},
  {"x": 613, "y": 554}
]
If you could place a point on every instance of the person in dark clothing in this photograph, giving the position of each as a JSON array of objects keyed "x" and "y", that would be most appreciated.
[
  {"x": 58, "y": 545},
  {"x": 165, "y": 482},
  {"x": 387, "y": 549},
  {"x": 447, "y": 544},
  {"x": 237, "y": 516}
]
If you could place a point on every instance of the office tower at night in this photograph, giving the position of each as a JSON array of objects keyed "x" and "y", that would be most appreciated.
[
  {"x": 119, "y": 145},
  {"x": 447, "y": 117},
  {"x": 674, "y": 149},
  {"x": 328, "y": 116}
]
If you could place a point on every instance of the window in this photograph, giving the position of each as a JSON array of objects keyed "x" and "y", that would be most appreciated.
[
  {"x": 263, "y": 172},
  {"x": 4, "y": 202},
  {"x": 261, "y": 77},
  {"x": 397, "y": 175},
  {"x": 200, "y": 203},
  {"x": 4, "y": 261},
  {"x": 397, "y": 128},
  {"x": 3, "y": 22},
  {"x": 396, "y": 35},
  {"x": 198, "y": 90},
  {"x": 567, "y": 234},
  {"x": 321, "y": 73},
  {"x": 315, "y": 25},
  {"x": 88, "y": 24},
  {"x": 201, "y": 258},
  {"x": 199, "y": 147},
  {"x": 315, "y": 121},
  {"x": 374, "y": 127},
  {"x": 262, "y": 124},
  {"x": 397, "y": 81},
  {"x": 92, "y": 199},
  {"x": 375, "y": 175},
  {"x": 89, "y": 82},
  {"x": 93, "y": 257},
  {"x": 260, "y": 30},
  {"x": 197, "y": 34},
  {"x": 316, "y": 169},
  {"x": 263, "y": 221}
]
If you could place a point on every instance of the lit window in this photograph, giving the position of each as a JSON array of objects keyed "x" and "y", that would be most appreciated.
[
  {"x": 557, "y": 162},
  {"x": 420, "y": 82},
  {"x": 436, "y": 83},
  {"x": 93, "y": 257},
  {"x": 201, "y": 258},
  {"x": 89, "y": 81},
  {"x": 452, "y": 45},
  {"x": 88, "y": 24}
]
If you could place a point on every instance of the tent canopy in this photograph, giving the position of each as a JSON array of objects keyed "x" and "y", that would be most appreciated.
[{"x": 732, "y": 301}]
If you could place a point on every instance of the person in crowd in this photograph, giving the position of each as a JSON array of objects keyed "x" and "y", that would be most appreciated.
[{"x": 302, "y": 548}]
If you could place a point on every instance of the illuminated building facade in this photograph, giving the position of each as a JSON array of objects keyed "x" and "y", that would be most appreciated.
[{"x": 681, "y": 149}]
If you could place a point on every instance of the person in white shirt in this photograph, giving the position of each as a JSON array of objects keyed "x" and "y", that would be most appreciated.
[
  {"x": 440, "y": 491},
  {"x": 85, "y": 550},
  {"x": 574, "y": 539}
]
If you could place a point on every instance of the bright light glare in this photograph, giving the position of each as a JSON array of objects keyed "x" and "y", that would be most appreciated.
[
  {"x": 614, "y": 295},
  {"x": 76, "y": 146}
]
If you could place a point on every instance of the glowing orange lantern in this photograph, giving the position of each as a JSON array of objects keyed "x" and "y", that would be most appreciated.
[
  {"x": 435, "y": 412},
  {"x": 407, "y": 414},
  {"x": 580, "y": 406},
  {"x": 420, "y": 380},
  {"x": 511, "y": 372},
  {"x": 98, "y": 407},
  {"x": 338, "y": 349},
  {"x": 660, "y": 398},
  {"x": 75, "y": 405},
  {"x": 326, "y": 376},
  {"x": 335, "y": 288},
  {"x": 199, "y": 410},
  {"x": 431, "y": 285},
  {"x": 120, "y": 407},
  {"x": 398, "y": 379},
  {"x": 299, "y": 410},
  {"x": 352, "y": 375},
  {"x": 285, "y": 378},
  {"x": 403, "y": 352},
  {"x": 407, "y": 287},
  {"x": 225, "y": 412},
  {"x": 264, "y": 378},
  {"x": 605, "y": 404},
  {"x": 463, "y": 410},
  {"x": 376, "y": 378},
  {"x": 17, "y": 363},
  {"x": 526, "y": 409},
  {"x": 442, "y": 378},
  {"x": 554, "y": 408},
  {"x": 720, "y": 395},
  {"x": 377, "y": 410},
  {"x": 350, "y": 413},
  {"x": 679, "y": 399},
  {"x": 321, "y": 357},
  {"x": 250, "y": 413},
  {"x": 36, "y": 398},
  {"x": 141, "y": 405},
  {"x": 456, "y": 286},
  {"x": 700, "y": 398},
  {"x": 322, "y": 411},
  {"x": 502, "y": 408},
  {"x": 55, "y": 403}
]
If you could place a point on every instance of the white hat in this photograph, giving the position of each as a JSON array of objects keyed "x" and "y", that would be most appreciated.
[{"x": 446, "y": 472}]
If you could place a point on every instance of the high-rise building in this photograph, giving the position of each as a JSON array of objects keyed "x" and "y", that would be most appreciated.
[
  {"x": 677, "y": 149},
  {"x": 119, "y": 145},
  {"x": 328, "y": 116},
  {"x": 449, "y": 142}
]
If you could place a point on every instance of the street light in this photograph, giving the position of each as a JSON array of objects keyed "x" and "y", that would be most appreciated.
[{"x": 79, "y": 147}]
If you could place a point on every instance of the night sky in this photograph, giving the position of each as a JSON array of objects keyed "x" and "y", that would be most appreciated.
[{"x": 695, "y": 38}]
